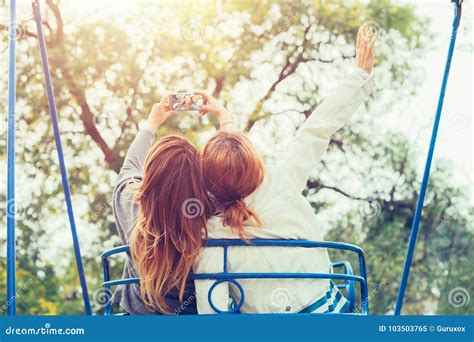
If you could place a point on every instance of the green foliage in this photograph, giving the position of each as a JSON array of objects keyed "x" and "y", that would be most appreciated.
[{"x": 443, "y": 257}]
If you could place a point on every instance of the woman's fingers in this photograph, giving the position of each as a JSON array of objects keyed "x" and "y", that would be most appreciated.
[
  {"x": 201, "y": 92},
  {"x": 165, "y": 98},
  {"x": 358, "y": 39},
  {"x": 365, "y": 42},
  {"x": 203, "y": 110},
  {"x": 366, "y": 39},
  {"x": 364, "y": 36},
  {"x": 370, "y": 48},
  {"x": 155, "y": 108},
  {"x": 165, "y": 101},
  {"x": 372, "y": 43},
  {"x": 207, "y": 97}
]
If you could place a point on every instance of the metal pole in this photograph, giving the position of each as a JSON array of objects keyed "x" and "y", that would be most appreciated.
[
  {"x": 426, "y": 174},
  {"x": 59, "y": 147},
  {"x": 11, "y": 254}
]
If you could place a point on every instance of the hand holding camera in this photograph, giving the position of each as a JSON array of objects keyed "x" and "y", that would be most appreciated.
[
  {"x": 211, "y": 105},
  {"x": 199, "y": 101},
  {"x": 159, "y": 113}
]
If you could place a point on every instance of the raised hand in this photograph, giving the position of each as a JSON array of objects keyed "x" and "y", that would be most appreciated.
[
  {"x": 365, "y": 42},
  {"x": 211, "y": 105},
  {"x": 159, "y": 113}
]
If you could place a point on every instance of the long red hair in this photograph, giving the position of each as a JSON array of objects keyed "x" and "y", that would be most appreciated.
[
  {"x": 232, "y": 169},
  {"x": 171, "y": 225}
]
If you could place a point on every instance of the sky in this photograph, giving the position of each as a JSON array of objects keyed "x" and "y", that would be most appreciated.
[{"x": 455, "y": 139}]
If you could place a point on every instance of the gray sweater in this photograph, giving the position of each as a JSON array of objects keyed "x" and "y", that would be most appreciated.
[{"x": 125, "y": 213}]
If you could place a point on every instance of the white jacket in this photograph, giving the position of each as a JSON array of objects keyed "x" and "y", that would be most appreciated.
[{"x": 286, "y": 214}]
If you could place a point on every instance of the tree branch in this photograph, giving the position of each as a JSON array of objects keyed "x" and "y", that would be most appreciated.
[
  {"x": 403, "y": 204},
  {"x": 288, "y": 69},
  {"x": 316, "y": 185},
  {"x": 21, "y": 31},
  {"x": 59, "y": 34},
  {"x": 112, "y": 158}
]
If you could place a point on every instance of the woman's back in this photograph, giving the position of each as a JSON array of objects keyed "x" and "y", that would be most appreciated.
[
  {"x": 280, "y": 206},
  {"x": 126, "y": 212},
  {"x": 274, "y": 200}
]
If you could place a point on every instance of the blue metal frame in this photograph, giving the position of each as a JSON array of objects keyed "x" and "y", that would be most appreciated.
[
  {"x": 10, "y": 209},
  {"x": 348, "y": 277},
  {"x": 426, "y": 175},
  {"x": 62, "y": 165},
  {"x": 348, "y": 285}
]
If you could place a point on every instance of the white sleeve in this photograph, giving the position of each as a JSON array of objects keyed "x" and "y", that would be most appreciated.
[
  {"x": 211, "y": 260},
  {"x": 309, "y": 145}
]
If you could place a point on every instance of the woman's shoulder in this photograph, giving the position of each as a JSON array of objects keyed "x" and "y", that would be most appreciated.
[
  {"x": 217, "y": 230},
  {"x": 273, "y": 185},
  {"x": 273, "y": 174}
]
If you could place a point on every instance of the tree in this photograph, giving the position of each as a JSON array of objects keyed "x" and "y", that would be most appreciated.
[{"x": 269, "y": 62}]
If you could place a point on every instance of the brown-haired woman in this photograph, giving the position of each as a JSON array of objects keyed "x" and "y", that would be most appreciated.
[
  {"x": 254, "y": 201},
  {"x": 160, "y": 208}
]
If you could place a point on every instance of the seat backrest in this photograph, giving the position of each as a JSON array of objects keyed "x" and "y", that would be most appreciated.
[{"x": 348, "y": 278}]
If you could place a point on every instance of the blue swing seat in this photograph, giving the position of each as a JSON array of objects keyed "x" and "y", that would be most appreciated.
[{"x": 346, "y": 277}]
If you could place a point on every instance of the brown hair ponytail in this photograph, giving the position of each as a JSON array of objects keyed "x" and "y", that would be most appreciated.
[
  {"x": 235, "y": 215},
  {"x": 232, "y": 170}
]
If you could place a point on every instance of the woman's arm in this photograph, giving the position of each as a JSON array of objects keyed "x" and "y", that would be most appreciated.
[
  {"x": 135, "y": 158},
  {"x": 125, "y": 210},
  {"x": 312, "y": 139}
]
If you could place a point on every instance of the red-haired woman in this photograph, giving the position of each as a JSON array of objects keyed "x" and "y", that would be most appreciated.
[{"x": 257, "y": 201}]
